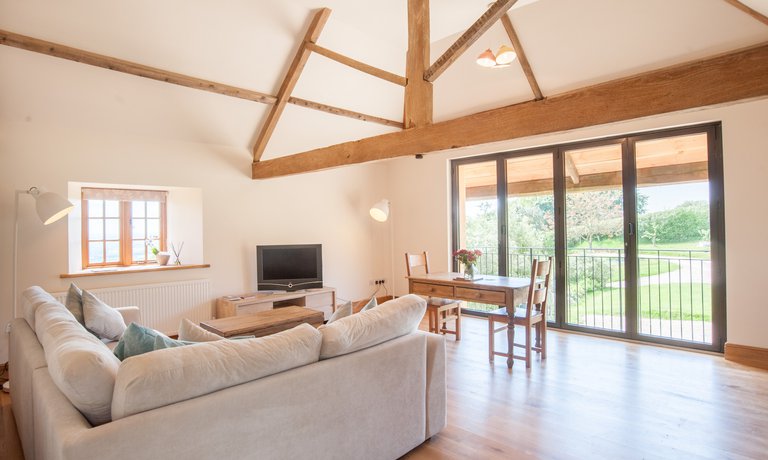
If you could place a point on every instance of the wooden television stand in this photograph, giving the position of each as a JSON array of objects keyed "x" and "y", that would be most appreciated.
[{"x": 322, "y": 299}]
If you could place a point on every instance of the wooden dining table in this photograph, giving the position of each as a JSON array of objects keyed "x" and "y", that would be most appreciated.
[{"x": 496, "y": 290}]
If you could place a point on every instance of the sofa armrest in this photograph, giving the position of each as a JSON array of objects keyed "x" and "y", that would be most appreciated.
[
  {"x": 437, "y": 401},
  {"x": 130, "y": 314}
]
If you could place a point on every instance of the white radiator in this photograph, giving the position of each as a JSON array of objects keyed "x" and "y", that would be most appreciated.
[{"x": 162, "y": 305}]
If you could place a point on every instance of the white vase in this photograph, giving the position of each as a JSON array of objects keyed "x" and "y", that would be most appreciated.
[{"x": 163, "y": 258}]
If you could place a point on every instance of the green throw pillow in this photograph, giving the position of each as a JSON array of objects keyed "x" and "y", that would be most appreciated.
[{"x": 139, "y": 339}]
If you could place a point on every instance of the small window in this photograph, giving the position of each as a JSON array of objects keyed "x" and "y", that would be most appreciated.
[{"x": 121, "y": 227}]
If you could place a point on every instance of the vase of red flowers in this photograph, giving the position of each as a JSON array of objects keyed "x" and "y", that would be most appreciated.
[{"x": 468, "y": 258}]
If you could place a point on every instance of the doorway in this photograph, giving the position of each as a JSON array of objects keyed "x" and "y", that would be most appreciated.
[{"x": 635, "y": 224}]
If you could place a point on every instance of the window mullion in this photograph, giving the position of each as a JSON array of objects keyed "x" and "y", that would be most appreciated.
[{"x": 126, "y": 237}]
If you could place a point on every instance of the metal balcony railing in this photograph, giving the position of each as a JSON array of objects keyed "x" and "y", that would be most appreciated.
[{"x": 674, "y": 288}]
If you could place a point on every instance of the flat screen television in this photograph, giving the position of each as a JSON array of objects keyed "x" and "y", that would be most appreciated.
[{"x": 289, "y": 267}]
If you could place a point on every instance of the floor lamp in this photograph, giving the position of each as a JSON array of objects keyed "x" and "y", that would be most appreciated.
[
  {"x": 381, "y": 212},
  {"x": 50, "y": 208}
]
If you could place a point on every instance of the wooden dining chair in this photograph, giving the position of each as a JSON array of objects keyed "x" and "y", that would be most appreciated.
[
  {"x": 532, "y": 315},
  {"x": 439, "y": 311}
]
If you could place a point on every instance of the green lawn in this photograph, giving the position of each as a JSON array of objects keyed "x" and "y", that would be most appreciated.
[
  {"x": 689, "y": 301},
  {"x": 679, "y": 250}
]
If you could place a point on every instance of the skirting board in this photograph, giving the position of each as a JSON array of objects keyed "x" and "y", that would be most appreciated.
[{"x": 749, "y": 356}]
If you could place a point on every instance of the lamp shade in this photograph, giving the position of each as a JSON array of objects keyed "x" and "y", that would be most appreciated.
[
  {"x": 380, "y": 211},
  {"x": 505, "y": 55},
  {"x": 51, "y": 207},
  {"x": 486, "y": 59}
]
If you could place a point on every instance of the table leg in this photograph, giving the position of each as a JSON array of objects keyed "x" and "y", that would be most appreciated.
[{"x": 511, "y": 339}]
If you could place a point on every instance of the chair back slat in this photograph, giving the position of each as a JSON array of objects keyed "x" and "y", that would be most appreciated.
[
  {"x": 538, "y": 292},
  {"x": 417, "y": 263}
]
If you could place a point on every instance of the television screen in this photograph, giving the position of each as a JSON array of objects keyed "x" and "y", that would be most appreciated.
[{"x": 289, "y": 267}]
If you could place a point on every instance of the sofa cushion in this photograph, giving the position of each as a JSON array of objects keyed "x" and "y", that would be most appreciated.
[
  {"x": 138, "y": 340},
  {"x": 366, "y": 329},
  {"x": 31, "y": 299},
  {"x": 370, "y": 305},
  {"x": 81, "y": 366},
  {"x": 74, "y": 302},
  {"x": 101, "y": 319},
  {"x": 168, "y": 376},
  {"x": 191, "y": 332},
  {"x": 341, "y": 312}
]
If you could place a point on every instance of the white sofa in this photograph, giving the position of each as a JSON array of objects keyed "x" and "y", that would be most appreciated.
[{"x": 367, "y": 386}]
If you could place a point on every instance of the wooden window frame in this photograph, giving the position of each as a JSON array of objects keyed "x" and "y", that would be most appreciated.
[{"x": 125, "y": 217}]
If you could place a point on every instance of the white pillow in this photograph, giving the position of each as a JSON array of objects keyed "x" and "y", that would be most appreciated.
[
  {"x": 79, "y": 364},
  {"x": 368, "y": 328},
  {"x": 102, "y": 320},
  {"x": 341, "y": 312},
  {"x": 191, "y": 332},
  {"x": 171, "y": 375},
  {"x": 370, "y": 305}
]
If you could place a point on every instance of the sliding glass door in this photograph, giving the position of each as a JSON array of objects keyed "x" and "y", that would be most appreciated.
[{"x": 635, "y": 224}]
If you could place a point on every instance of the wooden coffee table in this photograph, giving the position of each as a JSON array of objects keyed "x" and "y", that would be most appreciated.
[{"x": 264, "y": 322}]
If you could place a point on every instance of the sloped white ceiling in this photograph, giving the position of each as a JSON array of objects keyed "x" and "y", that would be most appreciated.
[{"x": 250, "y": 43}]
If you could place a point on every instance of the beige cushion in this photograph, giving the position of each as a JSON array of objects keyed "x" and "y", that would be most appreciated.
[
  {"x": 191, "y": 332},
  {"x": 341, "y": 312},
  {"x": 366, "y": 329},
  {"x": 31, "y": 299},
  {"x": 82, "y": 367},
  {"x": 74, "y": 302},
  {"x": 101, "y": 319},
  {"x": 167, "y": 376}
]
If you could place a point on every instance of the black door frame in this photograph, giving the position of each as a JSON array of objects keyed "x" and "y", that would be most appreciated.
[{"x": 629, "y": 184}]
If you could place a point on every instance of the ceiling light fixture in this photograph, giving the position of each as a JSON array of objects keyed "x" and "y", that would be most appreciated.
[{"x": 503, "y": 57}]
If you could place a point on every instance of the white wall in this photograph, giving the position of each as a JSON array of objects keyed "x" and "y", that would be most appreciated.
[
  {"x": 328, "y": 207},
  {"x": 421, "y": 197}
]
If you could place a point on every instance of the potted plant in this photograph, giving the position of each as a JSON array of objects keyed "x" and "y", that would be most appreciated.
[
  {"x": 162, "y": 257},
  {"x": 469, "y": 260}
]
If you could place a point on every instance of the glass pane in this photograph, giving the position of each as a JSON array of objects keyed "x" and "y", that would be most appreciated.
[
  {"x": 111, "y": 229},
  {"x": 674, "y": 264},
  {"x": 137, "y": 250},
  {"x": 95, "y": 229},
  {"x": 113, "y": 251},
  {"x": 96, "y": 253},
  {"x": 594, "y": 213},
  {"x": 478, "y": 218},
  {"x": 111, "y": 208},
  {"x": 153, "y": 209},
  {"x": 137, "y": 209},
  {"x": 153, "y": 228},
  {"x": 138, "y": 230},
  {"x": 530, "y": 217},
  {"x": 95, "y": 208}
]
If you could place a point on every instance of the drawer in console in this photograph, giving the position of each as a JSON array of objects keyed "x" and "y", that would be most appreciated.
[
  {"x": 480, "y": 295},
  {"x": 434, "y": 290}
]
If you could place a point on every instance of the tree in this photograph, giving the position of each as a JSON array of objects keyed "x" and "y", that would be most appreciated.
[{"x": 593, "y": 214}]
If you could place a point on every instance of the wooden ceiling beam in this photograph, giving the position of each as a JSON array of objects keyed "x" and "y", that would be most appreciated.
[
  {"x": 119, "y": 65},
  {"x": 290, "y": 80},
  {"x": 570, "y": 168},
  {"x": 726, "y": 78},
  {"x": 417, "y": 105},
  {"x": 755, "y": 14},
  {"x": 357, "y": 65},
  {"x": 344, "y": 112},
  {"x": 475, "y": 31},
  {"x": 527, "y": 70}
]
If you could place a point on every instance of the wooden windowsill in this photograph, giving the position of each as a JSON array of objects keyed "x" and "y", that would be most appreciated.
[{"x": 127, "y": 270}]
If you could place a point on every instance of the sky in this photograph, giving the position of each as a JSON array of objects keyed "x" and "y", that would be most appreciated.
[{"x": 664, "y": 197}]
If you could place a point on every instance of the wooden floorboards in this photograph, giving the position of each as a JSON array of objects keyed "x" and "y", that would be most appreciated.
[
  {"x": 593, "y": 398},
  {"x": 598, "y": 398}
]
